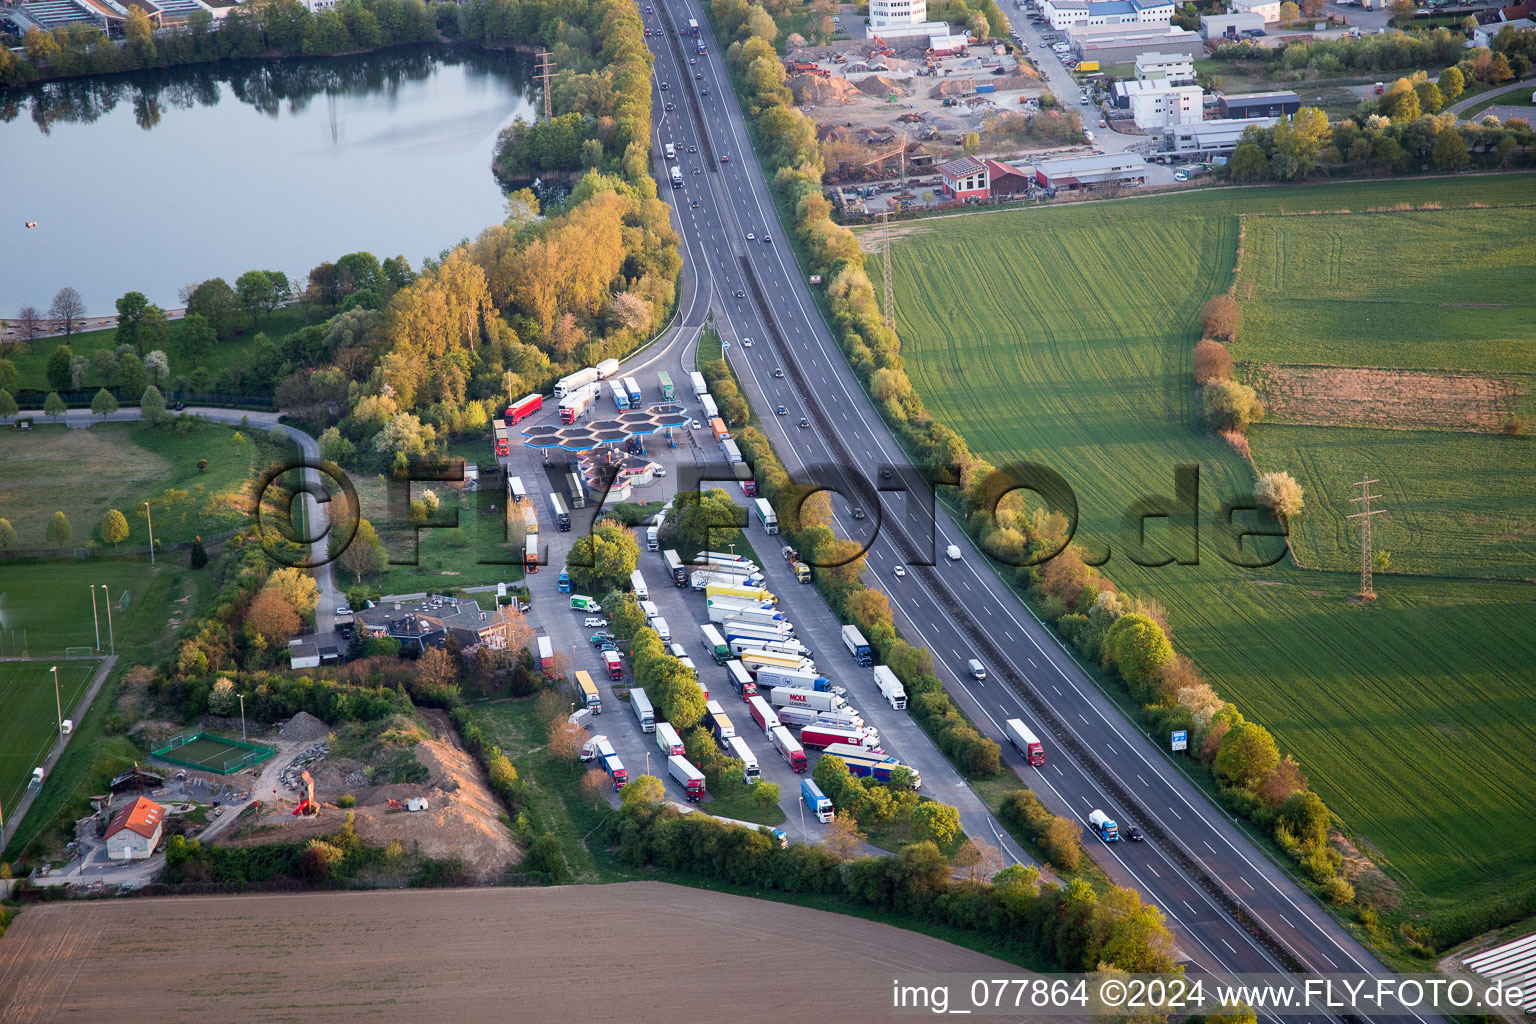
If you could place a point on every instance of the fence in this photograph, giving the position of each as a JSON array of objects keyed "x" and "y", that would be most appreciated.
[{"x": 32, "y": 399}]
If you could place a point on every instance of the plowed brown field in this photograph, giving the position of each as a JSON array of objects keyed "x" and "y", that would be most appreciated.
[{"x": 630, "y": 953}]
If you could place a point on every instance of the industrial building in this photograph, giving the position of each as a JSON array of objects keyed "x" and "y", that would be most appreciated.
[
  {"x": 107, "y": 15},
  {"x": 1124, "y": 46},
  {"x": 902, "y": 19},
  {"x": 1230, "y": 26},
  {"x": 1156, "y": 103},
  {"x": 134, "y": 831},
  {"x": 1269, "y": 10},
  {"x": 1063, "y": 14},
  {"x": 1006, "y": 180},
  {"x": 1089, "y": 171},
  {"x": 1210, "y": 138},
  {"x": 1177, "y": 68},
  {"x": 1259, "y": 104},
  {"x": 965, "y": 178}
]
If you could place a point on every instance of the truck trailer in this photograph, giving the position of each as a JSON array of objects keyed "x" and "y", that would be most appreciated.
[
  {"x": 675, "y": 567},
  {"x": 754, "y": 593},
  {"x": 1024, "y": 741},
  {"x": 499, "y": 433},
  {"x": 640, "y": 704},
  {"x": 880, "y": 770},
  {"x": 751, "y": 774},
  {"x": 637, "y": 584},
  {"x": 890, "y": 687},
  {"x": 719, "y": 722},
  {"x": 607, "y": 368},
  {"x": 805, "y": 679},
  {"x": 1105, "y": 826},
  {"x": 587, "y": 693},
  {"x": 857, "y": 645},
  {"x": 572, "y": 381},
  {"x": 696, "y": 379},
  {"x": 577, "y": 403},
  {"x": 818, "y": 736},
  {"x": 687, "y": 776},
  {"x": 546, "y": 655},
  {"x": 614, "y": 663},
  {"x": 739, "y": 679},
  {"x": 789, "y": 749},
  {"x": 715, "y": 644},
  {"x": 763, "y": 714},
  {"x": 793, "y": 697},
  {"x": 816, "y": 801},
  {"x": 636, "y": 396},
  {"x": 667, "y": 740},
  {"x": 523, "y": 408}
]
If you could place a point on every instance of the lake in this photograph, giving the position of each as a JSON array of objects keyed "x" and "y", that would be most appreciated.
[{"x": 150, "y": 181}]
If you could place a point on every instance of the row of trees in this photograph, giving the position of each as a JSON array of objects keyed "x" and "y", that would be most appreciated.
[{"x": 270, "y": 27}]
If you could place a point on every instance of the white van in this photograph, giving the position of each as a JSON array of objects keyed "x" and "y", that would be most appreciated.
[
  {"x": 671, "y": 151},
  {"x": 953, "y": 552},
  {"x": 977, "y": 669}
]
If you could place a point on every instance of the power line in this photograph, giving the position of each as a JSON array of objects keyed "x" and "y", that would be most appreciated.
[
  {"x": 1367, "y": 593},
  {"x": 544, "y": 63}
]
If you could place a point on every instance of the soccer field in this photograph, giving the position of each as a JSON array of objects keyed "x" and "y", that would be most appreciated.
[
  {"x": 29, "y": 716},
  {"x": 1063, "y": 337}
]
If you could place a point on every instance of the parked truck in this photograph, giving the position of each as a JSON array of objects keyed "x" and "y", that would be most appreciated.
[
  {"x": 640, "y": 704},
  {"x": 805, "y": 679},
  {"x": 586, "y": 691},
  {"x": 754, "y": 593},
  {"x": 715, "y": 644},
  {"x": 846, "y": 750},
  {"x": 667, "y": 739},
  {"x": 879, "y": 769},
  {"x": 687, "y": 776},
  {"x": 857, "y": 645},
  {"x": 499, "y": 432},
  {"x": 751, "y": 774},
  {"x": 723, "y": 609},
  {"x": 614, "y": 664},
  {"x": 607, "y": 368},
  {"x": 758, "y": 660},
  {"x": 710, "y": 409},
  {"x": 697, "y": 380},
  {"x": 572, "y": 381},
  {"x": 740, "y": 680},
  {"x": 636, "y": 396},
  {"x": 1105, "y": 826},
  {"x": 652, "y": 537},
  {"x": 718, "y": 722},
  {"x": 578, "y": 403},
  {"x": 611, "y": 763},
  {"x": 546, "y": 655},
  {"x": 793, "y": 697},
  {"x": 774, "y": 634},
  {"x": 523, "y": 408},
  {"x": 818, "y": 735},
  {"x": 583, "y": 603},
  {"x": 789, "y": 749},
  {"x": 700, "y": 579},
  {"x": 659, "y": 624},
  {"x": 637, "y": 584},
  {"x": 675, "y": 567},
  {"x": 890, "y": 687},
  {"x": 789, "y": 646},
  {"x": 1024, "y": 741},
  {"x": 763, "y": 714},
  {"x": 559, "y": 512},
  {"x": 815, "y": 800}
]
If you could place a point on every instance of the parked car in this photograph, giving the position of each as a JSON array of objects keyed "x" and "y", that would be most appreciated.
[{"x": 592, "y": 622}]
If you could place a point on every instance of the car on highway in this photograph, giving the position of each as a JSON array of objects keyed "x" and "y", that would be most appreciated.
[
  {"x": 647, "y": 33},
  {"x": 699, "y": 75},
  {"x": 740, "y": 294},
  {"x": 694, "y": 204},
  {"x": 746, "y": 342},
  {"x": 671, "y": 107},
  {"x": 724, "y": 159},
  {"x": 778, "y": 371},
  {"x": 1133, "y": 834},
  {"x": 782, "y": 410},
  {"x": 767, "y": 239},
  {"x": 804, "y": 422},
  {"x": 856, "y": 512},
  {"x": 978, "y": 670},
  {"x": 693, "y": 60},
  {"x": 704, "y": 91},
  {"x": 751, "y": 237},
  {"x": 899, "y": 572},
  {"x": 693, "y": 149},
  {"x": 592, "y": 622},
  {"x": 665, "y": 87}
]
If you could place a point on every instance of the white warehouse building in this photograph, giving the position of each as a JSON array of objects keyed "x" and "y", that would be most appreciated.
[
  {"x": 1064, "y": 14},
  {"x": 1210, "y": 138},
  {"x": 1156, "y": 104},
  {"x": 1176, "y": 68},
  {"x": 902, "y": 19}
]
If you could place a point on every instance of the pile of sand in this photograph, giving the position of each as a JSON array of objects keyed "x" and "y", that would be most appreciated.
[
  {"x": 816, "y": 91},
  {"x": 303, "y": 728},
  {"x": 879, "y": 86}
]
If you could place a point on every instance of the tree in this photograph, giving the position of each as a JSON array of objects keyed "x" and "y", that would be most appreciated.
[
  {"x": 595, "y": 785},
  {"x": 1289, "y": 12},
  {"x": 152, "y": 405},
  {"x": 103, "y": 404},
  {"x": 1230, "y": 405},
  {"x": 1129, "y": 934},
  {"x": 29, "y": 324},
  {"x": 221, "y": 699},
  {"x": 365, "y": 556},
  {"x": 130, "y": 311},
  {"x": 977, "y": 862},
  {"x": 8, "y": 537},
  {"x": 437, "y": 667},
  {"x": 257, "y": 293},
  {"x": 54, "y": 406},
  {"x": 1221, "y": 316},
  {"x": 602, "y": 559},
  {"x": 843, "y": 838},
  {"x": 298, "y": 589},
  {"x": 199, "y": 557},
  {"x": 153, "y": 333},
  {"x": 1062, "y": 843},
  {"x": 8, "y": 406},
  {"x": 131, "y": 377},
  {"x": 273, "y": 617},
  {"x": 1452, "y": 83},
  {"x": 1212, "y": 361},
  {"x": 59, "y": 532},
  {"x": 939, "y": 823},
  {"x": 1306, "y": 817},
  {"x": 114, "y": 527},
  {"x": 57, "y": 368},
  {"x": 707, "y": 520},
  {"x": 8, "y": 375},
  {"x": 1450, "y": 152},
  {"x": 195, "y": 337},
  {"x": 158, "y": 366},
  {"x": 1248, "y": 162},
  {"x": 215, "y": 301},
  {"x": 566, "y": 739},
  {"x": 646, "y": 789},
  {"x": 1137, "y": 647},
  {"x": 67, "y": 310},
  {"x": 1247, "y": 755},
  {"x": 79, "y": 372},
  {"x": 1279, "y": 493},
  {"x": 1431, "y": 100}
]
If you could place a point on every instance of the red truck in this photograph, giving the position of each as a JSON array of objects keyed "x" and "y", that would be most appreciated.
[
  {"x": 816, "y": 736},
  {"x": 614, "y": 664},
  {"x": 523, "y": 408},
  {"x": 503, "y": 444},
  {"x": 763, "y": 714},
  {"x": 790, "y": 750}
]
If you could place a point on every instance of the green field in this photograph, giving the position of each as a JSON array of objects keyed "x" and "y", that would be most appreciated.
[
  {"x": 30, "y": 722},
  {"x": 1062, "y": 336}
]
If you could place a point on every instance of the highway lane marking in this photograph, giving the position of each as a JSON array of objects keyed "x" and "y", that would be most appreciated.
[
  {"x": 1111, "y": 747},
  {"x": 1080, "y": 715},
  {"x": 1143, "y": 781},
  {"x": 1325, "y": 956},
  {"x": 1285, "y": 919},
  {"x": 1224, "y": 942},
  {"x": 1031, "y": 662},
  {"x": 1008, "y": 635},
  {"x": 1208, "y": 846},
  {"x": 1176, "y": 814},
  {"x": 1191, "y": 910},
  {"x": 1247, "y": 883},
  {"x": 1058, "y": 692},
  {"x": 1059, "y": 771}
]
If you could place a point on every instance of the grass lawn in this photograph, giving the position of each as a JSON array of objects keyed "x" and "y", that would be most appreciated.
[
  {"x": 30, "y": 723},
  {"x": 85, "y": 473},
  {"x": 1063, "y": 337},
  {"x": 1518, "y": 96},
  {"x": 232, "y": 352}
]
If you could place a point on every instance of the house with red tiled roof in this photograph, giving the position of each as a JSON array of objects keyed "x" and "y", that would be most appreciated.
[
  {"x": 134, "y": 831},
  {"x": 965, "y": 178},
  {"x": 1519, "y": 12}
]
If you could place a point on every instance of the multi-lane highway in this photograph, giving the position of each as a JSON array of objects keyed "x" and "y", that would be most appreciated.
[{"x": 1232, "y": 907}]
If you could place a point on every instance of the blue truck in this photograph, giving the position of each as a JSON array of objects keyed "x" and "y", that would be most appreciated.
[
  {"x": 816, "y": 800},
  {"x": 565, "y": 583},
  {"x": 878, "y": 767},
  {"x": 1105, "y": 826},
  {"x": 857, "y": 646}
]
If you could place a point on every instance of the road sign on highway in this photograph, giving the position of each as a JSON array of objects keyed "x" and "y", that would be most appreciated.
[{"x": 1180, "y": 739}]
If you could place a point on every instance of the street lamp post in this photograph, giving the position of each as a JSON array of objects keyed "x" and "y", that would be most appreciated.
[
  {"x": 242, "y": 717},
  {"x": 57, "y": 702},
  {"x": 111, "y": 637},
  {"x": 151, "y": 521},
  {"x": 95, "y": 617}
]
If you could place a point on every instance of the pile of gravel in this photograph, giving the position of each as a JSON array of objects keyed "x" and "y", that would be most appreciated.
[{"x": 303, "y": 728}]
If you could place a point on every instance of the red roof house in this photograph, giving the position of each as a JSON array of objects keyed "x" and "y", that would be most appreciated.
[{"x": 134, "y": 831}]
